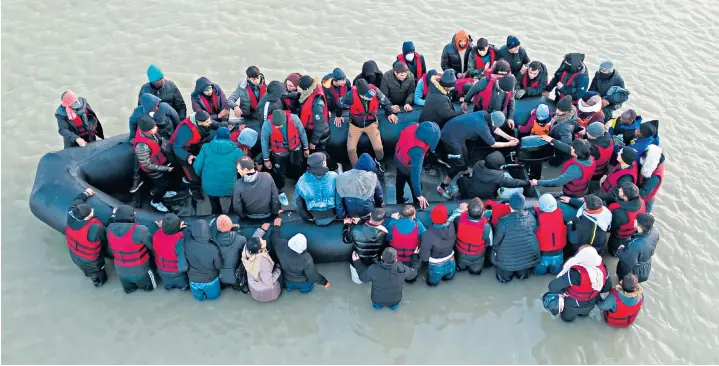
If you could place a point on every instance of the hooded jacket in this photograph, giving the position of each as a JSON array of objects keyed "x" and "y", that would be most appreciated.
[
  {"x": 368, "y": 240},
  {"x": 543, "y": 80},
  {"x": 360, "y": 192},
  {"x": 496, "y": 103},
  {"x": 165, "y": 117},
  {"x": 580, "y": 82},
  {"x": 250, "y": 198},
  {"x": 653, "y": 156},
  {"x": 563, "y": 129},
  {"x": 96, "y": 232},
  {"x": 241, "y": 93},
  {"x": 428, "y": 133},
  {"x": 120, "y": 223},
  {"x": 601, "y": 84},
  {"x": 371, "y": 73},
  {"x": 451, "y": 56},
  {"x": 67, "y": 130},
  {"x": 515, "y": 246},
  {"x": 203, "y": 258},
  {"x": 197, "y": 105},
  {"x": 398, "y": 92},
  {"x": 168, "y": 93},
  {"x": 296, "y": 267},
  {"x": 419, "y": 97},
  {"x": 488, "y": 177},
  {"x": 515, "y": 60},
  {"x": 588, "y": 228},
  {"x": 230, "y": 245},
  {"x": 636, "y": 256},
  {"x": 320, "y": 134},
  {"x": 438, "y": 241},
  {"x": 387, "y": 279},
  {"x": 271, "y": 100},
  {"x": 216, "y": 165},
  {"x": 438, "y": 107}
]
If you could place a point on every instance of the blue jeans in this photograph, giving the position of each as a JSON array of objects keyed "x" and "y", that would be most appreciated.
[
  {"x": 441, "y": 271},
  {"x": 378, "y": 306},
  {"x": 549, "y": 263},
  {"x": 303, "y": 287},
  {"x": 209, "y": 291}
]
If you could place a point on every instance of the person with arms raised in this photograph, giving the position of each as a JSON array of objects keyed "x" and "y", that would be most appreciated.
[
  {"x": 77, "y": 122},
  {"x": 86, "y": 237}
]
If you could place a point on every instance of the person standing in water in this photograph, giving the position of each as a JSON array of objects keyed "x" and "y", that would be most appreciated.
[
  {"x": 86, "y": 237},
  {"x": 77, "y": 123},
  {"x": 130, "y": 244}
]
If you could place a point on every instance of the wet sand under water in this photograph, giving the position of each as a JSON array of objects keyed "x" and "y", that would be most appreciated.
[{"x": 51, "y": 313}]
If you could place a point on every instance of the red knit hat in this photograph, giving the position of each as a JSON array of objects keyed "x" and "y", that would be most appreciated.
[{"x": 439, "y": 214}]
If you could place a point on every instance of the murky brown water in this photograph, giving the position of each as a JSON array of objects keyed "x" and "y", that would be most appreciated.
[{"x": 51, "y": 314}]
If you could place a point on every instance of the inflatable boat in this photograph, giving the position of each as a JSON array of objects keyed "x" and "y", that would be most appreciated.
[{"x": 106, "y": 166}]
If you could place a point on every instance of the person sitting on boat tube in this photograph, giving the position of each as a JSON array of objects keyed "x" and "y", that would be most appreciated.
[
  {"x": 336, "y": 85},
  {"x": 605, "y": 79},
  {"x": 455, "y": 54},
  {"x": 412, "y": 146},
  {"x": 244, "y": 100},
  {"x": 316, "y": 195},
  {"x": 398, "y": 85},
  {"x": 364, "y": 101},
  {"x": 413, "y": 60},
  {"x": 86, "y": 237},
  {"x": 254, "y": 195},
  {"x": 421, "y": 91},
  {"x": 493, "y": 93},
  {"x": 577, "y": 172},
  {"x": 209, "y": 97},
  {"x": 77, "y": 122},
  {"x": 626, "y": 170},
  {"x": 564, "y": 125},
  {"x": 515, "y": 55},
  {"x": 314, "y": 112},
  {"x": 481, "y": 59},
  {"x": 130, "y": 244},
  {"x": 187, "y": 140},
  {"x": 601, "y": 148},
  {"x": 533, "y": 82},
  {"x": 570, "y": 79},
  {"x": 404, "y": 233},
  {"x": 438, "y": 107},
  {"x": 155, "y": 157},
  {"x": 590, "y": 109},
  {"x": 284, "y": 141}
]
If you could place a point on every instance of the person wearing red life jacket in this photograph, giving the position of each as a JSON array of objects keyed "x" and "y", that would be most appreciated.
[
  {"x": 412, "y": 146},
  {"x": 493, "y": 93},
  {"x": 413, "y": 60},
  {"x": 404, "y": 234},
  {"x": 77, "y": 122},
  {"x": 601, "y": 148},
  {"x": 589, "y": 109},
  {"x": 651, "y": 174},
  {"x": 582, "y": 279},
  {"x": 168, "y": 252},
  {"x": 336, "y": 85},
  {"x": 570, "y": 79},
  {"x": 86, "y": 239},
  {"x": 481, "y": 58},
  {"x": 130, "y": 244},
  {"x": 551, "y": 235},
  {"x": 626, "y": 171},
  {"x": 289, "y": 102},
  {"x": 314, "y": 113},
  {"x": 209, "y": 97},
  {"x": 624, "y": 214},
  {"x": 245, "y": 99},
  {"x": 533, "y": 82},
  {"x": 474, "y": 237},
  {"x": 624, "y": 302},
  {"x": 187, "y": 140},
  {"x": 154, "y": 156},
  {"x": 577, "y": 172},
  {"x": 284, "y": 141},
  {"x": 636, "y": 256},
  {"x": 590, "y": 225}
]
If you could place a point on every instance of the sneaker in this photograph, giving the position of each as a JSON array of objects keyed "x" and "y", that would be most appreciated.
[
  {"x": 169, "y": 194},
  {"x": 136, "y": 184},
  {"x": 445, "y": 192},
  {"x": 283, "y": 199},
  {"x": 197, "y": 194},
  {"x": 159, "y": 206},
  {"x": 380, "y": 167}
]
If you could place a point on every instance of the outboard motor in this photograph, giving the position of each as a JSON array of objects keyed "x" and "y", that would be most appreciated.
[{"x": 533, "y": 152}]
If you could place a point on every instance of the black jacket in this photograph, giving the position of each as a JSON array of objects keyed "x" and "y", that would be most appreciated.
[
  {"x": 296, "y": 267},
  {"x": 485, "y": 182},
  {"x": 230, "y": 245},
  {"x": 119, "y": 226},
  {"x": 94, "y": 233},
  {"x": 371, "y": 73},
  {"x": 368, "y": 240},
  {"x": 203, "y": 257},
  {"x": 168, "y": 93},
  {"x": 67, "y": 129},
  {"x": 515, "y": 60},
  {"x": 451, "y": 58},
  {"x": 270, "y": 101},
  {"x": 438, "y": 106},
  {"x": 258, "y": 199},
  {"x": 437, "y": 242},
  {"x": 515, "y": 245},
  {"x": 497, "y": 101},
  {"x": 636, "y": 256},
  {"x": 601, "y": 84},
  {"x": 387, "y": 279},
  {"x": 398, "y": 92}
]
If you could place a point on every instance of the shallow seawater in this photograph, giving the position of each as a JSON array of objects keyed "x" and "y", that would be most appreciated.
[{"x": 51, "y": 313}]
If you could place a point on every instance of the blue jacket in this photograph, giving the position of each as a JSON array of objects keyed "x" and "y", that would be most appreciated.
[
  {"x": 641, "y": 144},
  {"x": 165, "y": 116},
  {"x": 319, "y": 194},
  {"x": 404, "y": 226},
  {"x": 216, "y": 165}
]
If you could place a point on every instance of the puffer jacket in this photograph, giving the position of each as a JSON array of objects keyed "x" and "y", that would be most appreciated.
[
  {"x": 387, "y": 279},
  {"x": 451, "y": 58},
  {"x": 203, "y": 257},
  {"x": 636, "y": 256},
  {"x": 241, "y": 94},
  {"x": 515, "y": 245},
  {"x": 216, "y": 165},
  {"x": 398, "y": 92},
  {"x": 165, "y": 117},
  {"x": 168, "y": 93},
  {"x": 368, "y": 240},
  {"x": 360, "y": 192},
  {"x": 230, "y": 245},
  {"x": 485, "y": 182}
]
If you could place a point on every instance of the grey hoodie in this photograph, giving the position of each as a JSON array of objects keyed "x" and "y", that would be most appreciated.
[
  {"x": 230, "y": 245},
  {"x": 203, "y": 257}
]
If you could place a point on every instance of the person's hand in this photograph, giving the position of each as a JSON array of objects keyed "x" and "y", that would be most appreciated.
[
  {"x": 463, "y": 206},
  {"x": 191, "y": 159},
  {"x": 338, "y": 121},
  {"x": 395, "y": 215},
  {"x": 395, "y": 108},
  {"x": 407, "y": 107},
  {"x": 355, "y": 220},
  {"x": 510, "y": 123},
  {"x": 620, "y": 247},
  {"x": 268, "y": 165},
  {"x": 81, "y": 142},
  {"x": 355, "y": 256},
  {"x": 560, "y": 85},
  {"x": 158, "y": 223},
  {"x": 416, "y": 251},
  {"x": 523, "y": 69},
  {"x": 347, "y": 220},
  {"x": 519, "y": 93},
  {"x": 545, "y": 94},
  {"x": 513, "y": 142},
  {"x": 313, "y": 146},
  {"x": 564, "y": 199},
  {"x": 90, "y": 192},
  {"x": 423, "y": 203},
  {"x": 328, "y": 285},
  {"x": 605, "y": 103},
  {"x": 278, "y": 221},
  {"x": 601, "y": 181},
  {"x": 464, "y": 107},
  {"x": 307, "y": 152},
  {"x": 393, "y": 118},
  {"x": 170, "y": 168},
  {"x": 460, "y": 75},
  {"x": 533, "y": 182},
  {"x": 238, "y": 111},
  {"x": 182, "y": 225},
  {"x": 265, "y": 226},
  {"x": 223, "y": 113},
  {"x": 546, "y": 138},
  {"x": 114, "y": 210}
]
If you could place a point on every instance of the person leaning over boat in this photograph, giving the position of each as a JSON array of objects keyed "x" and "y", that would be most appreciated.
[
  {"x": 412, "y": 146},
  {"x": 533, "y": 82},
  {"x": 360, "y": 189},
  {"x": 487, "y": 178},
  {"x": 254, "y": 194},
  {"x": 413, "y": 60},
  {"x": 368, "y": 238},
  {"x": 493, "y": 93},
  {"x": 204, "y": 262},
  {"x": 651, "y": 174},
  {"x": 604, "y": 79},
  {"x": 298, "y": 268},
  {"x": 169, "y": 252},
  {"x": 216, "y": 164},
  {"x": 130, "y": 244},
  {"x": 230, "y": 242},
  {"x": 438, "y": 107},
  {"x": 164, "y": 89},
  {"x": 398, "y": 85},
  {"x": 209, "y": 97},
  {"x": 621, "y": 307},
  {"x": 244, "y": 100},
  {"x": 284, "y": 140},
  {"x": 624, "y": 214},
  {"x": 515, "y": 250},
  {"x": 364, "y": 101},
  {"x": 387, "y": 276},
  {"x": 316, "y": 195},
  {"x": 636, "y": 256},
  {"x": 577, "y": 172},
  {"x": 263, "y": 277},
  {"x": 187, "y": 140},
  {"x": 590, "y": 224},
  {"x": 564, "y": 124},
  {"x": 336, "y": 85},
  {"x": 86, "y": 238},
  {"x": 516, "y": 55},
  {"x": 77, "y": 122},
  {"x": 437, "y": 244},
  {"x": 155, "y": 157},
  {"x": 570, "y": 79}
]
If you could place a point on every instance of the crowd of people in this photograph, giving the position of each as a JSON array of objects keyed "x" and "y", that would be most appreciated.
[{"x": 612, "y": 168}]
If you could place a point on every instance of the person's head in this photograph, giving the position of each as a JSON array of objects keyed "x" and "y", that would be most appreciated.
[
  {"x": 83, "y": 211},
  {"x": 535, "y": 67},
  {"x": 564, "y": 105},
  {"x": 253, "y": 75},
  {"x": 606, "y": 69},
  {"x": 389, "y": 255},
  {"x": 247, "y": 138},
  {"x": 495, "y": 160},
  {"x": 547, "y": 203},
  {"x": 155, "y": 76},
  {"x": 338, "y": 77},
  {"x": 305, "y": 83},
  {"x": 364, "y": 90},
  {"x": 506, "y": 83},
  {"x": 400, "y": 70},
  {"x": 202, "y": 118},
  {"x": 223, "y": 133},
  {"x": 208, "y": 91},
  {"x": 279, "y": 118},
  {"x": 627, "y": 156},
  {"x": 497, "y": 118},
  {"x": 461, "y": 40},
  {"x": 245, "y": 166},
  {"x": 592, "y": 203},
  {"x": 513, "y": 44},
  {"x": 255, "y": 244},
  {"x": 628, "y": 191},
  {"x": 69, "y": 99},
  {"x": 595, "y": 130},
  {"x": 542, "y": 113},
  {"x": 407, "y": 212},
  {"x": 125, "y": 214},
  {"x": 475, "y": 209},
  {"x": 645, "y": 130},
  {"x": 317, "y": 160},
  {"x": 580, "y": 149},
  {"x": 439, "y": 214},
  {"x": 517, "y": 201},
  {"x": 628, "y": 117},
  {"x": 501, "y": 67},
  {"x": 629, "y": 283},
  {"x": 482, "y": 47},
  {"x": 224, "y": 224},
  {"x": 377, "y": 215},
  {"x": 147, "y": 125},
  {"x": 408, "y": 51},
  {"x": 298, "y": 243},
  {"x": 644, "y": 222},
  {"x": 292, "y": 81},
  {"x": 366, "y": 163},
  {"x": 448, "y": 80}
]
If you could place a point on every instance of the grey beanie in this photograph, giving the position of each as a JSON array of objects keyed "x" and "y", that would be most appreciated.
[
  {"x": 607, "y": 66},
  {"x": 547, "y": 203},
  {"x": 497, "y": 118},
  {"x": 316, "y": 160},
  {"x": 248, "y": 137},
  {"x": 517, "y": 201},
  {"x": 596, "y": 129}
]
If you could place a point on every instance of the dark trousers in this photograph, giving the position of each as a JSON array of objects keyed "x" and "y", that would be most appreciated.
[
  {"x": 457, "y": 164},
  {"x": 145, "y": 282},
  {"x": 403, "y": 179},
  {"x": 216, "y": 205},
  {"x": 189, "y": 173},
  {"x": 159, "y": 187},
  {"x": 473, "y": 263},
  {"x": 290, "y": 165},
  {"x": 572, "y": 311},
  {"x": 506, "y": 276}
]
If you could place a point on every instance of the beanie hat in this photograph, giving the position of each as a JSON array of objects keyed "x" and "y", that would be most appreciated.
[
  {"x": 517, "y": 201},
  {"x": 482, "y": 43},
  {"x": 305, "y": 82},
  {"x": 366, "y": 163},
  {"x": 298, "y": 243},
  {"x": 389, "y": 255},
  {"x": 146, "y": 123},
  {"x": 595, "y": 129},
  {"x": 154, "y": 73},
  {"x": 125, "y": 212},
  {"x": 507, "y": 83},
  {"x": 501, "y": 66},
  {"x": 407, "y": 47},
  {"x": 547, "y": 203},
  {"x": 400, "y": 67},
  {"x": 565, "y": 104},
  {"x": 646, "y": 221},
  {"x": 494, "y": 160},
  {"x": 628, "y": 154},
  {"x": 81, "y": 211},
  {"x": 647, "y": 130},
  {"x": 223, "y": 133},
  {"x": 542, "y": 112},
  {"x": 224, "y": 223},
  {"x": 606, "y": 66},
  {"x": 363, "y": 88},
  {"x": 512, "y": 41},
  {"x": 338, "y": 74},
  {"x": 248, "y": 137},
  {"x": 278, "y": 117},
  {"x": 316, "y": 160},
  {"x": 201, "y": 116},
  {"x": 171, "y": 224},
  {"x": 448, "y": 80},
  {"x": 439, "y": 214},
  {"x": 497, "y": 118}
]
